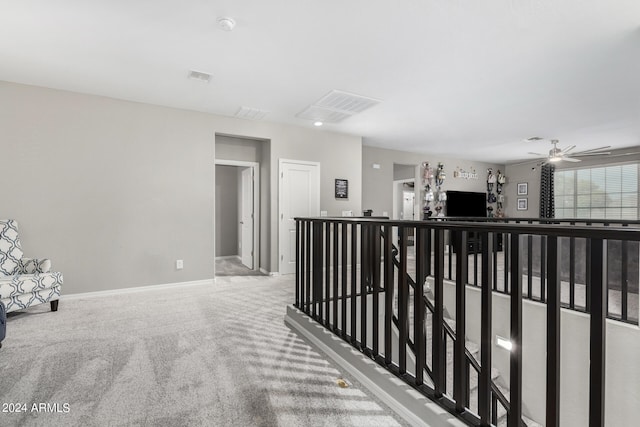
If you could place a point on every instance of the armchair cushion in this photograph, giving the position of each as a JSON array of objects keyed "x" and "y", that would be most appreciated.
[
  {"x": 34, "y": 265},
  {"x": 10, "y": 248},
  {"x": 24, "y": 290}
]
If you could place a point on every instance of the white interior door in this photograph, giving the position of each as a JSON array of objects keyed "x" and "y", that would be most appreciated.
[
  {"x": 246, "y": 218},
  {"x": 299, "y": 197}
]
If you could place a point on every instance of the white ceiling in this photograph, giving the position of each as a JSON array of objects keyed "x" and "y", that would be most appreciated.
[{"x": 464, "y": 78}]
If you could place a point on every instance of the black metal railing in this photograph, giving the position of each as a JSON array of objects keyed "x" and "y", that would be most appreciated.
[
  {"x": 623, "y": 271},
  {"x": 351, "y": 279}
]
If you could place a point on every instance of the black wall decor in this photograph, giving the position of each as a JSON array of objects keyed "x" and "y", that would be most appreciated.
[{"x": 342, "y": 189}]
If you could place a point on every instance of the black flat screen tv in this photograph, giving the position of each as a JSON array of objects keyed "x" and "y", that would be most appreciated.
[{"x": 466, "y": 204}]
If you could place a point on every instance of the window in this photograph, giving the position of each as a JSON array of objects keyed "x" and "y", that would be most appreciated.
[{"x": 609, "y": 192}]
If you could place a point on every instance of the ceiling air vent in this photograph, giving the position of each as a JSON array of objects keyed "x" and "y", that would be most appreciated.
[
  {"x": 336, "y": 106},
  {"x": 249, "y": 113},
  {"x": 346, "y": 102},
  {"x": 200, "y": 76}
]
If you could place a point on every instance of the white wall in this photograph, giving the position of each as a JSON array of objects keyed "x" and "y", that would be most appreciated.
[
  {"x": 622, "y": 392},
  {"x": 115, "y": 191},
  {"x": 530, "y": 174},
  {"x": 377, "y": 184}
]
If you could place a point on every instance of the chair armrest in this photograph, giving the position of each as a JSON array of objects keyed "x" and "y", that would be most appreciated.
[{"x": 35, "y": 265}]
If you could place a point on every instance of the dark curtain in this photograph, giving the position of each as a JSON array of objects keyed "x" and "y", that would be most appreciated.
[{"x": 547, "y": 208}]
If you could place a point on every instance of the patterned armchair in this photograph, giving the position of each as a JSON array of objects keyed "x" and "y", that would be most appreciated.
[{"x": 24, "y": 281}]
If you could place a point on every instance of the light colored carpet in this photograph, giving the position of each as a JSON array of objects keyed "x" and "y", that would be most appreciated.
[
  {"x": 233, "y": 267},
  {"x": 201, "y": 355}
]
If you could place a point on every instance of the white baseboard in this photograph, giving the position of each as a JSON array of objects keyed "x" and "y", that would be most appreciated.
[{"x": 136, "y": 289}]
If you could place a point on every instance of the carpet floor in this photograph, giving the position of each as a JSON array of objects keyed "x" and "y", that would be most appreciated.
[
  {"x": 233, "y": 267},
  {"x": 200, "y": 355}
]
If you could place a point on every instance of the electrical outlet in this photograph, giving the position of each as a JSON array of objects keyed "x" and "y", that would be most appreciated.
[{"x": 179, "y": 265}]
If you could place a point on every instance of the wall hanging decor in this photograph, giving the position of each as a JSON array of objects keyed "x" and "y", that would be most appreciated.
[
  {"x": 523, "y": 188},
  {"x": 522, "y": 204},
  {"x": 342, "y": 189}
]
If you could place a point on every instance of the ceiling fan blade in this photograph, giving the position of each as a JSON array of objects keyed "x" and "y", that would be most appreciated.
[
  {"x": 571, "y": 159},
  {"x": 601, "y": 153},
  {"x": 593, "y": 149},
  {"x": 566, "y": 150},
  {"x": 625, "y": 154},
  {"x": 525, "y": 162}
]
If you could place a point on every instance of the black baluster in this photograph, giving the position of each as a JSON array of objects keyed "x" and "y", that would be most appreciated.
[
  {"x": 439, "y": 346},
  {"x": 402, "y": 302},
  {"x": 459, "y": 372},
  {"x": 598, "y": 296},
  {"x": 388, "y": 293},
  {"x": 515, "y": 380},
  {"x": 484, "y": 379},
  {"x": 553, "y": 333}
]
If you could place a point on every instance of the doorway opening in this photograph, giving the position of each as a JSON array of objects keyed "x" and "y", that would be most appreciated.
[
  {"x": 237, "y": 218},
  {"x": 406, "y": 206}
]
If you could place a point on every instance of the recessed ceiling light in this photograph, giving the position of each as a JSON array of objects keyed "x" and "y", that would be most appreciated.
[
  {"x": 318, "y": 123},
  {"x": 226, "y": 23}
]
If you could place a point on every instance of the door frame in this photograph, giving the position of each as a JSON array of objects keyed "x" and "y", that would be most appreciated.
[
  {"x": 256, "y": 205},
  {"x": 280, "y": 203},
  {"x": 394, "y": 209}
]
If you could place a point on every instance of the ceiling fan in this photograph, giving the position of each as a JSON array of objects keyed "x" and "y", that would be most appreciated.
[{"x": 557, "y": 154}]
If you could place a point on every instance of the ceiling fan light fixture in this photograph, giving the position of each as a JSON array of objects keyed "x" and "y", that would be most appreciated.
[{"x": 555, "y": 158}]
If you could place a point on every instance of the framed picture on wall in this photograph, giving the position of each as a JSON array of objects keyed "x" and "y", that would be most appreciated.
[
  {"x": 522, "y": 204},
  {"x": 342, "y": 189},
  {"x": 523, "y": 188}
]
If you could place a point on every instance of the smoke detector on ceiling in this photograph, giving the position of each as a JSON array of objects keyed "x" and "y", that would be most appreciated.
[
  {"x": 226, "y": 23},
  {"x": 200, "y": 76}
]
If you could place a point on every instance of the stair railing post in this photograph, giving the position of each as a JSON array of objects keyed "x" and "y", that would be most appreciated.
[
  {"x": 375, "y": 265},
  {"x": 354, "y": 281},
  {"x": 486, "y": 336},
  {"x": 364, "y": 281},
  {"x": 335, "y": 276},
  {"x": 553, "y": 332},
  {"x": 515, "y": 371},
  {"x": 403, "y": 317},
  {"x": 389, "y": 286},
  {"x": 418, "y": 302},
  {"x": 317, "y": 271},
  {"x": 298, "y": 263},
  {"x": 598, "y": 298},
  {"x": 327, "y": 274},
  {"x": 460, "y": 379},
  {"x": 439, "y": 348},
  {"x": 343, "y": 273}
]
